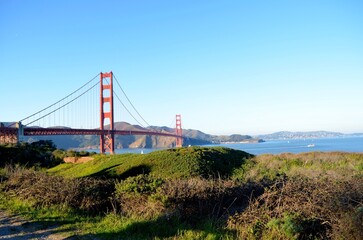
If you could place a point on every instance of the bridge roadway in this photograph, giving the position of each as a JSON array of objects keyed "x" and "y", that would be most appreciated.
[{"x": 33, "y": 131}]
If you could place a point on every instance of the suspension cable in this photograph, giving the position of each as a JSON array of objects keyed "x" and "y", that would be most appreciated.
[
  {"x": 128, "y": 110},
  {"x": 118, "y": 98},
  {"x": 130, "y": 101},
  {"x": 59, "y": 101},
  {"x": 63, "y": 104},
  {"x": 172, "y": 124}
]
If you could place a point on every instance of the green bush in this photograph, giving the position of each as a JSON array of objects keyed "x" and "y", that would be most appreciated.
[
  {"x": 42, "y": 190},
  {"x": 140, "y": 184},
  {"x": 294, "y": 226},
  {"x": 29, "y": 154},
  {"x": 303, "y": 208},
  {"x": 190, "y": 199}
]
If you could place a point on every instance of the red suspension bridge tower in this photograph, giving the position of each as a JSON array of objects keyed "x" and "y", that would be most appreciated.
[
  {"x": 178, "y": 131},
  {"x": 107, "y": 136},
  {"x": 107, "y": 140}
]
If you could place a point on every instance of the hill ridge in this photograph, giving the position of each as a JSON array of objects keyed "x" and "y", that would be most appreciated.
[
  {"x": 300, "y": 135},
  {"x": 191, "y": 137}
]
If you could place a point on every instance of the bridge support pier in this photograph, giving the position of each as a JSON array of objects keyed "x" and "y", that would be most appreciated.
[
  {"x": 8, "y": 135},
  {"x": 106, "y": 112},
  {"x": 20, "y": 135},
  {"x": 11, "y": 135}
]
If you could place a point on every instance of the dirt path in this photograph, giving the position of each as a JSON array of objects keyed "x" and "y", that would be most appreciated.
[{"x": 15, "y": 227}]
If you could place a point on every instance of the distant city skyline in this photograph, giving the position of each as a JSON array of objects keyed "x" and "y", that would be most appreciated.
[{"x": 228, "y": 67}]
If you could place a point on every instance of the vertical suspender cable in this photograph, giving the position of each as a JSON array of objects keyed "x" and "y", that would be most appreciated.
[
  {"x": 130, "y": 102},
  {"x": 47, "y": 108}
]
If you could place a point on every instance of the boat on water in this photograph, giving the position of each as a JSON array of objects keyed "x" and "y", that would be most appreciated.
[{"x": 311, "y": 145}]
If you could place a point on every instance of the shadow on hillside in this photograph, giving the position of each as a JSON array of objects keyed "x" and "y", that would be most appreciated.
[
  {"x": 105, "y": 173},
  {"x": 160, "y": 228},
  {"x": 134, "y": 171}
]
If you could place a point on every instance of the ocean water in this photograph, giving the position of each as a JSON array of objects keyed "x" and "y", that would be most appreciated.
[{"x": 343, "y": 144}]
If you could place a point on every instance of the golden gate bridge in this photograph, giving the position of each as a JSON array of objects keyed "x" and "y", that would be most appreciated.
[{"x": 95, "y": 92}]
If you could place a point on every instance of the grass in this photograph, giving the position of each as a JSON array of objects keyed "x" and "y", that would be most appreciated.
[
  {"x": 114, "y": 226},
  {"x": 102, "y": 164},
  {"x": 336, "y": 165},
  {"x": 167, "y": 164},
  {"x": 111, "y": 225}
]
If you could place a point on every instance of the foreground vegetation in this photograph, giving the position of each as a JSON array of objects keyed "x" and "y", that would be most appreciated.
[{"x": 193, "y": 193}]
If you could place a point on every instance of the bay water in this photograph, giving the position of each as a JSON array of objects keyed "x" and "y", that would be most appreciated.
[{"x": 342, "y": 144}]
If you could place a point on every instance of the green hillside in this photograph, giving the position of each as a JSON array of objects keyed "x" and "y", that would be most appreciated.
[
  {"x": 168, "y": 164},
  {"x": 188, "y": 193}
]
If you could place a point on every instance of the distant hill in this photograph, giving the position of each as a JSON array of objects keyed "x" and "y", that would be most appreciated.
[
  {"x": 300, "y": 135},
  {"x": 191, "y": 137},
  {"x": 208, "y": 138}
]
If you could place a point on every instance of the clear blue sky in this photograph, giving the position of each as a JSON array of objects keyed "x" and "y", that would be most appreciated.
[{"x": 246, "y": 67}]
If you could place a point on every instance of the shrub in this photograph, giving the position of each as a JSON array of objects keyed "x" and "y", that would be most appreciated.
[
  {"x": 42, "y": 190},
  {"x": 133, "y": 195},
  {"x": 139, "y": 184},
  {"x": 188, "y": 199},
  {"x": 59, "y": 155},
  {"x": 197, "y": 198},
  {"x": 320, "y": 209},
  {"x": 294, "y": 226}
]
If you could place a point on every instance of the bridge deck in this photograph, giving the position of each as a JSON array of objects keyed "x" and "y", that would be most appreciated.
[{"x": 71, "y": 131}]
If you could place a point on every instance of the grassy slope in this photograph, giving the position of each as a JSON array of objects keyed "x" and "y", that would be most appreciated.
[
  {"x": 337, "y": 170},
  {"x": 329, "y": 165},
  {"x": 167, "y": 164},
  {"x": 215, "y": 162}
]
